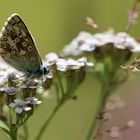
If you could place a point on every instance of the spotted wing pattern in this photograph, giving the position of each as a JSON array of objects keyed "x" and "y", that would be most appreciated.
[{"x": 17, "y": 46}]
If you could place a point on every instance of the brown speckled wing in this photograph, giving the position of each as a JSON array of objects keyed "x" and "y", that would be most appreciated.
[{"x": 17, "y": 46}]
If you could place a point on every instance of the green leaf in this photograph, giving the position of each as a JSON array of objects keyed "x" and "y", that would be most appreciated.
[{"x": 4, "y": 127}]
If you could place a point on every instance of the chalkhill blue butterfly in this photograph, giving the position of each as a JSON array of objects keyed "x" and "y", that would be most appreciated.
[{"x": 18, "y": 49}]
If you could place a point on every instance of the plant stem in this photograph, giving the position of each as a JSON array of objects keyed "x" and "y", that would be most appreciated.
[
  {"x": 102, "y": 99},
  {"x": 65, "y": 96},
  {"x": 25, "y": 127},
  {"x": 93, "y": 124},
  {"x": 46, "y": 123},
  {"x": 133, "y": 8},
  {"x": 61, "y": 85},
  {"x": 13, "y": 134},
  {"x": 10, "y": 116}
]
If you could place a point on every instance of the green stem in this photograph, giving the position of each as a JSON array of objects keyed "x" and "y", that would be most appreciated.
[
  {"x": 13, "y": 132},
  {"x": 65, "y": 97},
  {"x": 94, "y": 121},
  {"x": 24, "y": 121},
  {"x": 102, "y": 98},
  {"x": 52, "y": 114},
  {"x": 10, "y": 116},
  {"x": 57, "y": 92},
  {"x": 61, "y": 85},
  {"x": 26, "y": 132}
]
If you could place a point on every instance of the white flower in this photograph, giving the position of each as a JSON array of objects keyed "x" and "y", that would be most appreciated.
[
  {"x": 85, "y": 62},
  {"x": 63, "y": 64},
  {"x": 86, "y": 42},
  {"x": 20, "y": 105},
  {"x": 32, "y": 100},
  {"x": 50, "y": 59},
  {"x": 73, "y": 47},
  {"x": 71, "y": 64}
]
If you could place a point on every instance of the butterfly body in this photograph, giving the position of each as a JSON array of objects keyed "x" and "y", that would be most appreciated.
[{"x": 18, "y": 49}]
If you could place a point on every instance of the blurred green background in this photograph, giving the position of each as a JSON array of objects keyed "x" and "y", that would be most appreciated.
[{"x": 53, "y": 24}]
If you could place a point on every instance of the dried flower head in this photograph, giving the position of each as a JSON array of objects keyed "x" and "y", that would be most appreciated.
[
  {"x": 11, "y": 94},
  {"x": 133, "y": 67},
  {"x": 90, "y": 22},
  {"x": 29, "y": 88}
]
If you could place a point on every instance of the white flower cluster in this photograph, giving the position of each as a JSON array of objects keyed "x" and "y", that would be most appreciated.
[
  {"x": 22, "y": 105},
  {"x": 63, "y": 64},
  {"x": 87, "y": 42}
]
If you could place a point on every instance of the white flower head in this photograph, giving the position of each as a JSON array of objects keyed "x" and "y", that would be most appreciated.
[
  {"x": 20, "y": 105},
  {"x": 86, "y": 42},
  {"x": 50, "y": 59},
  {"x": 32, "y": 100},
  {"x": 64, "y": 64},
  {"x": 72, "y": 64}
]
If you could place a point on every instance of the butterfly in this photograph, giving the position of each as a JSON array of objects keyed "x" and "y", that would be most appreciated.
[{"x": 18, "y": 48}]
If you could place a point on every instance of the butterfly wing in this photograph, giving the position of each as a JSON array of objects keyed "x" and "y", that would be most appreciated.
[{"x": 17, "y": 46}]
